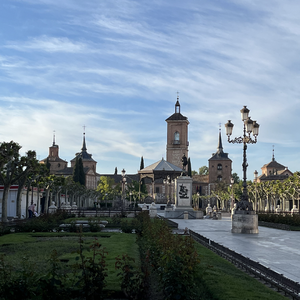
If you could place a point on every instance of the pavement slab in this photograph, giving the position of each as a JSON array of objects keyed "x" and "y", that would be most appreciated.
[{"x": 276, "y": 249}]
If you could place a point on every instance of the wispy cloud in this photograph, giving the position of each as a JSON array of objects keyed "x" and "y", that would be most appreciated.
[{"x": 49, "y": 44}]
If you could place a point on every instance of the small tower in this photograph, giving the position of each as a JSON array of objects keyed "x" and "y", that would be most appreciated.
[
  {"x": 89, "y": 165},
  {"x": 53, "y": 150},
  {"x": 56, "y": 163},
  {"x": 220, "y": 166},
  {"x": 177, "y": 136}
]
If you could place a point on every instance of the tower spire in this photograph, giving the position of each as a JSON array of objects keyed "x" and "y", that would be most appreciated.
[
  {"x": 53, "y": 138},
  {"x": 220, "y": 146},
  {"x": 83, "y": 143},
  {"x": 273, "y": 156},
  {"x": 177, "y": 105}
]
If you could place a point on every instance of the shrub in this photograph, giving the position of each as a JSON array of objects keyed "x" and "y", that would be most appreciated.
[
  {"x": 126, "y": 226},
  {"x": 85, "y": 282},
  {"x": 43, "y": 223},
  {"x": 174, "y": 258},
  {"x": 94, "y": 226},
  {"x": 91, "y": 271},
  {"x": 132, "y": 277}
]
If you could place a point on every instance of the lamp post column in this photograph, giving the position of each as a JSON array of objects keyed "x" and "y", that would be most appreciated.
[
  {"x": 255, "y": 179},
  {"x": 244, "y": 220},
  {"x": 123, "y": 187}
]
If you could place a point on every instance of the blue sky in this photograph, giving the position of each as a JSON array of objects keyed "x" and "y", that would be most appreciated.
[{"x": 116, "y": 66}]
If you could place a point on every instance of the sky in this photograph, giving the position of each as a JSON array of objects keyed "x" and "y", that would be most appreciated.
[{"x": 115, "y": 67}]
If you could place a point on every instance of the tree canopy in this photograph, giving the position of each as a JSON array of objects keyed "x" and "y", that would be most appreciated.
[{"x": 203, "y": 170}]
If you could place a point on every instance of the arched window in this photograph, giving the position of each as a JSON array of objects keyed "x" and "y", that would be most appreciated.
[
  {"x": 219, "y": 178},
  {"x": 176, "y": 138},
  {"x": 219, "y": 167}
]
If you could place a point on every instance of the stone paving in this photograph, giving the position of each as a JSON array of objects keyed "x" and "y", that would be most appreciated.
[{"x": 276, "y": 249}]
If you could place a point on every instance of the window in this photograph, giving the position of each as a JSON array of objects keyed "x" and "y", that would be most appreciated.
[
  {"x": 219, "y": 178},
  {"x": 157, "y": 190},
  {"x": 219, "y": 167},
  {"x": 176, "y": 138}
]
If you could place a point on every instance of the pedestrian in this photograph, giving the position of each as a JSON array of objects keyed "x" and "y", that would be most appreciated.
[{"x": 31, "y": 210}]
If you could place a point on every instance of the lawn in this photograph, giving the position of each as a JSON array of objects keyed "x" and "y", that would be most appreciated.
[
  {"x": 224, "y": 281},
  {"x": 35, "y": 249},
  {"x": 217, "y": 278}
]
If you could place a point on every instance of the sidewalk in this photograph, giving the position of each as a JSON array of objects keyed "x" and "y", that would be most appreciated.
[{"x": 276, "y": 249}]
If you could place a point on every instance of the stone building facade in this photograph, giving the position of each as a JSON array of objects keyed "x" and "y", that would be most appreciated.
[
  {"x": 60, "y": 167},
  {"x": 274, "y": 171},
  {"x": 220, "y": 165}
]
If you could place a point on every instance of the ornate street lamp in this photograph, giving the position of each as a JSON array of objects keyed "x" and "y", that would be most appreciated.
[
  {"x": 249, "y": 127},
  {"x": 168, "y": 182},
  {"x": 123, "y": 186}
]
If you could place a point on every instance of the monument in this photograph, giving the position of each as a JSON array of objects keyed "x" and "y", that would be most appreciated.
[{"x": 183, "y": 197}]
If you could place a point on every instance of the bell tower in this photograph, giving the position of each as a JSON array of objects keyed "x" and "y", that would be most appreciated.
[
  {"x": 177, "y": 136},
  {"x": 220, "y": 165}
]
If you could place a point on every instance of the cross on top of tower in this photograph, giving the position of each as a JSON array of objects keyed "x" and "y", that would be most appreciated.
[{"x": 177, "y": 105}]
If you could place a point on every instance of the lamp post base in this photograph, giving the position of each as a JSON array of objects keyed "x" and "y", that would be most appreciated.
[{"x": 243, "y": 222}]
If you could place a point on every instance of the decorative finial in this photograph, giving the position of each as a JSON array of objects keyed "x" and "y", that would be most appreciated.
[
  {"x": 84, "y": 129},
  {"x": 53, "y": 137},
  {"x": 177, "y": 95},
  {"x": 273, "y": 156}
]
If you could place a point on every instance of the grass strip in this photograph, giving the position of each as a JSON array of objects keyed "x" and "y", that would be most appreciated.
[
  {"x": 224, "y": 281},
  {"x": 37, "y": 247}
]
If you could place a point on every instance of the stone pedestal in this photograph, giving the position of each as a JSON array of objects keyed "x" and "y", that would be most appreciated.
[
  {"x": 183, "y": 200},
  {"x": 294, "y": 209},
  {"x": 183, "y": 193},
  {"x": 153, "y": 210},
  {"x": 244, "y": 222},
  {"x": 52, "y": 208}
]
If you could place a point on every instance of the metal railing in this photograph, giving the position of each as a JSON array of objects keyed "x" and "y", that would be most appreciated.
[{"x": 277, "y": 280}]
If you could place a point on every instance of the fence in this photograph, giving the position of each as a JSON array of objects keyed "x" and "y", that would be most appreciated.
[
  {"x": 108, "y": 212},
  {"x": 288, "y": 286}
]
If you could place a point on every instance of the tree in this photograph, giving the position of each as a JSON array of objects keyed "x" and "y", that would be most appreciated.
[
  {"x": 194, "y": 172},
  {"x": 203, "y": 170},
  {"x": 107, "y": 188},
  {"x": 16, "y": 167},
  {"x": 48, "y": 165},
  {"x": 9, "y": 153},
  {"x": 143, "y": 188},
  {"x": 81, "y": 172},
  {"x": 33, "y": 168},
  {"x": 235, "y": 177},
  {"x": 78, "y": 171},
  {"x": 142, "y": 163}
]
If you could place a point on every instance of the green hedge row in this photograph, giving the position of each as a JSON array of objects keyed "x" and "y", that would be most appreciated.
[
  {"x": 282, "y": 218},
  {"x": 171, "y": 257}
]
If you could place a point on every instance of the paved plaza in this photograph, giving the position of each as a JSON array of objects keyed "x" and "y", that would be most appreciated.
[{"x": 276, "y": 249}]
